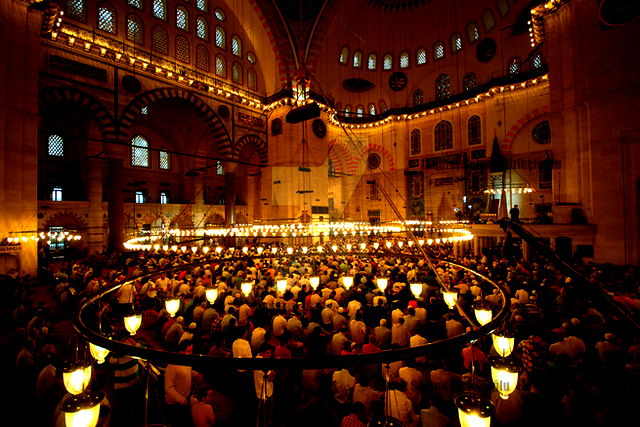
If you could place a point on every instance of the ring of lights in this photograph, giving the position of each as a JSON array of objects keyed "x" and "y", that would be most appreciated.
[{"x": 81, "y": 322}]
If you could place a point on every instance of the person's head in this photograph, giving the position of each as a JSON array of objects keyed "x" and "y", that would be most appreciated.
[{"x": 206, "y": 395}]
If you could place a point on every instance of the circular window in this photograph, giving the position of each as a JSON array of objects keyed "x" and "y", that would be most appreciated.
[
  {"x": 373, "y": 161},
  {"x": 224, "y": 112},
  {"x": 541, "y": 133},
  {"x": 276, "y": 127},
  {"x": 486, "y": 50}
]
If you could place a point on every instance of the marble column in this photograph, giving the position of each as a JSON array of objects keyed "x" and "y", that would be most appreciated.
[{"x": 116, "y": 204}]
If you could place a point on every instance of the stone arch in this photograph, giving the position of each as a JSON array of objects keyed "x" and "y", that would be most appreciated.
[
  {"x": 201, "y": 108},
  {"x": 387, "y": 157},
  {"x": 520, "y": 123},
  {"x": 254, "y": 145},
  {"x": 344, "y": 162},
  {"x": 65, "y": 219},
  {"x": 59, "y": 95}
]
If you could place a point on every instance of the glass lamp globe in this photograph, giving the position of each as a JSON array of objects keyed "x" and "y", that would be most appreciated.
[
  {"x": 76, "y": 378},
  {"x": 450, "y": 298},
  {"x": 211, "y": 294},
  {"x": 502, "y": 344},
  {"x": 281, "y": 285},
  {"x": 82, "y": 410},
  {"x": 246, "y": 288},
  {"x": 259, "y": 249},
  {"x": 382, "y": 283},
  {"x": 483, "y": 314},
  {"x": 474, "y": 411},
  {"x": 347, "y": 281},
  {"x": 376, "y": 245},
  {"x": 172, "y": 305},
  {"x": 98, "y": 353},
  {"x": 132, "y": 322},
  {"x": 416, "y": 289},
  {"x": 504, "y": 374},
  {"x": 315, "y": 282}
]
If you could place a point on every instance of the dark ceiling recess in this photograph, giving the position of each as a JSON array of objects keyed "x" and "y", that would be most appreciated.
[
  {"x": 619, "y": 12},
  {"x": 224, "y": 112},
  {"x": 131, "y": 84},
  {"x": 300, "y": 11},
  {"x": 357, "y": 85},
  {"x": 393, "y": 5}
]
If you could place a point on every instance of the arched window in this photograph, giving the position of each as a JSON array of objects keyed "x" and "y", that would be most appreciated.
[
  {"x": 536, "y": 62},
  {"x": 221, "y": 37},
  {"x": 236, "y": 73},
  {"x": 359, "y": 111},
  {"x": 344, "y": 55},
  {"x": 251, "y": 57},
  {"x": 416, "y": 142},
  {"x": 443, "y": 136},
  {"x": 387, "y": 62},
  {"x": 487, "y": 18},
  {"x": 135, "y": 3},
  {"x": 55, "y": 146},
  {"x": 443, "y": 87},
  {"x": 404, "y": 60},
  {"x": 160, "y": 40},
  {"x": 372, "y": 109},
  {"x": 438, "y": 50},
  {"x": 357, "y": 59},
  {"x": 503, "y": 7},
  {"x": 236, "y": 46},
  {"x": 252, "y": 79},
  {"x": 182, "y": 18},
  {"x": 219, "y": 13},
  {"x": 456, "y": 42},
  {"x": 418, "y": 97},
  {"x": 76, "y": 9},
  {"x": 383, "y": 106},
  {"x": 372, "y": 61},
  {"x": 164, "y": 160},
  {"x": 347, "y": 110},
  {"x": 514, "y": 66},
  {"x": 107, "y": 18},
  {"x": 139, "y": 151},
  {"x": 182, "y": 49},
  {"x": 473, "y": 33},
  {"x": 474, "y": 132},
  {"x": 202, "y": 57},
  {"x": 221, "y": 66},
  {"x": 421, "y": 56},
  {"x": 160, "y": 9},
  {"x": 202, "y": 5},
  {"x": 202, "y": 28},
  {"x": 468, "y": 82},
  {"x": 135, "y": 31}
]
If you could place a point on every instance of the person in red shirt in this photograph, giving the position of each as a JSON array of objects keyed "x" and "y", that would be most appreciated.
[{"x": 356, "y": 418}]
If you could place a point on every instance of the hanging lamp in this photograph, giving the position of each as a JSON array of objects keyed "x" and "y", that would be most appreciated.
[
  {"x": 502, "y": 343},
  {"x": 246, "y": 288},
  {"x": 450, "y": 298},
  {"x": 382, "y": 283},
  {"x": 504, "y": 373},
  {"x": 172, "y": 305},
  {"x": 483, "y": 313},
  {"x": 211, "y": 294},
  {"x": 82, "y": 410},
  {"x": 474, "y": 411},
  {"x": 132, "y": 322},
  {"x": 347, "y": 281},
  {"x": 315, "y": 282}
]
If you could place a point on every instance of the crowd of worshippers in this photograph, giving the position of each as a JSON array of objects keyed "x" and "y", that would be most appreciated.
[{"x": 580, "y": 363}]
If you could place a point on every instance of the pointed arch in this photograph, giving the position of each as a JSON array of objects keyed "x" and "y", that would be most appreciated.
[
  {"x": 202, "y": 109},
  {"x": 56, "y": 95},
  {"x": 343, "y": 159},
  {"x": 254, "y": 146}
]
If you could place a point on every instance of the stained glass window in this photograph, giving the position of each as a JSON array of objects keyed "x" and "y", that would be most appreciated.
[
  {"x": 164, "y": 197},
  {"x": 182, "y": 49},
  {"x": 474, "y": 131},
  {"x": 383, "y": 106},
  {"x": 456, "y": 42},
  {"x": 421, "y": 56},
  {"x": 202, "y": 57},
  {"x": 182, "y": 18},
  {"x": 165, "y": 160},
  {"x": 387, "y": 62},
  {"x": 372, "y": 109},
  {"x": 202, "y": 28},
  {"x": 252, "y": 79},
  {"x": 537, "y": 61},
  {"x": 514, "y": 66},
  {"x": 487, "y": 18},
  {"x": 135, "y": 32},
  {"x": 473, "y": 33},
  {"x": 251, "y": 57},
  {"x": 236, "y": 46},
  {"x": 443, "y": 136},
  {"x": 139, "y": 151},
  {"x": 468, "y": 82},
  {"x": 359, "y": 111},
  {"x": 76, "y": 9},
  {"x": 416, "y": 142},
  {"x": 438, "y": 50},
  {"x": 202, "y": 5},
  {"x": 404, "y": 60},
  {"x": 503, "y": 7},
  {"x": 219, "y": 14},
  {"x": 107, "y": 18},
  {"x": 357, "y": 59},
  {"x": 418, "y": 97},
  {"x": 160, "y": 40},
  {"x": 221, "y": 37},
  {"x": 344, "y": 55},
  {"x": 56, "y": 194},
  {"x": 135, "y": 3},
  {"x": 372, "y": 61},
  {"x": 219, "y": 168},
  {"x": 140, "y": 196},
  {"x": 221, "y": 66},
  {"x": 236, "y": 72},
  {"x": 160, "y": 9},
  {"x": 55, "y": 145},
  {"x": 443, "y": 87}
]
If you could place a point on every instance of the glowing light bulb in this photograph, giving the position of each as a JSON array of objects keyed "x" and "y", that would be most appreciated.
[
  {"x": 382, "y": 283},
  {"x": 315, "y": 282},
  {"x": 347, "y": 281}
]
